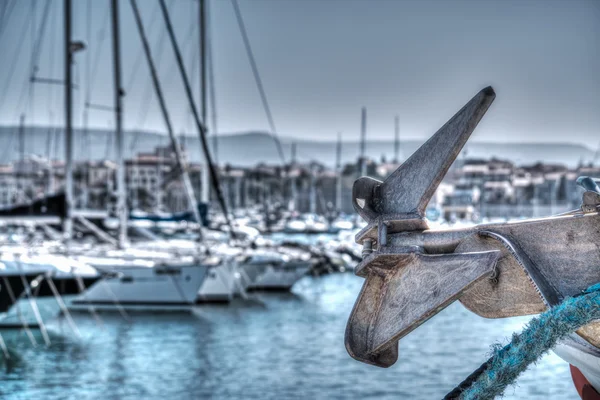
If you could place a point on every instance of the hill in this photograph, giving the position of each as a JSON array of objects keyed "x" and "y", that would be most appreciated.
[{"x": 251, "y": 148}]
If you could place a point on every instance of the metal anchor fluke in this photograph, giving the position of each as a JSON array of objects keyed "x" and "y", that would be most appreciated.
[
  {"x": 401, "y": 199},
  {"x": 403, "y": 291}
]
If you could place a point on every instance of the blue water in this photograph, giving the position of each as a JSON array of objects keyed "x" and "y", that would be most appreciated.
[{"x": 275, "y": 346}]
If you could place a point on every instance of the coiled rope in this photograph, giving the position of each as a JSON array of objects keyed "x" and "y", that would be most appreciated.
[{"x": 539, "y": 336}]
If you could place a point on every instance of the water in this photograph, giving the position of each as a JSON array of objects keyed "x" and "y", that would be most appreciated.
[{"x": 276, "y": 346}]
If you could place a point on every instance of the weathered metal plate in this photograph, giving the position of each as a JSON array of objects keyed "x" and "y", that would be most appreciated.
[
  {"x": 404, "y": 290},
  {"x": 511, "y": 293},
  {"x": 565, "y": 250}
]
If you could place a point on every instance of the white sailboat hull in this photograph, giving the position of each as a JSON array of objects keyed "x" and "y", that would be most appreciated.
[
  {"x": 22, "y": 313},
  {"x": 144, "y": 288},
  {"x": 220, "y": 285},
  {"x": 280, "y": 277}
]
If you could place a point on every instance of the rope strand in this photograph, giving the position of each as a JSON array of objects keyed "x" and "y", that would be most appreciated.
[{"x": 539, "y": 336}]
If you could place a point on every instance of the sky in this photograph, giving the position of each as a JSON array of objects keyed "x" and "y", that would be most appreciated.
[{"x": 321, "y": 61}]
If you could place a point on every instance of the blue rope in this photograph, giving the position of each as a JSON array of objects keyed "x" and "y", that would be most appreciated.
[{"x": 539, "y": 336}]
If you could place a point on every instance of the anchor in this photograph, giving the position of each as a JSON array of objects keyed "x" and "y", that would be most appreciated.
[{"x": 495, "y": 270}]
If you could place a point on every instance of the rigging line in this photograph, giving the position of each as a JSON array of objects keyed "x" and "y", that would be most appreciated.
[
  {"x": 76, "y": 101},
  {"x": 199, "y": 124},
  {"x": 51, "y": 92},
  {"x": 30, "y": 103},
  {"x": 145, "y": 105},
  {"x": 101, "y": 35},
  {"x": 15, "y": 59},
  {"x": 192, "y": 62},
  {"x": 193, "y": 54},
  {"x": 8, "y": 9},
  {"x": 53, "y": 149},
  {"x": 202, "y": 41},
  {"x": 263, "y": 95},
  {"x": 181, "y": 162},
  {"x": 211, "y": 86},
  {"x": 38, "y": 43},
  {"x": 88, "y": 62},
  {"x": 88, "y": 54},
  {"x": 194, "y": 57},
  {"x": 4, "y": 5},
  {"x": 8, "y": 149},
  {"x": 138, "y": 58},
  {"x": 184, "y": 46},
  {"x": 171, "y": 72}
]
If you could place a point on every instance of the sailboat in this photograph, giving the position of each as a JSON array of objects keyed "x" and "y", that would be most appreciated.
[
  {"x": 57, "y": 280},
  {"x": 157, "y": 282}
]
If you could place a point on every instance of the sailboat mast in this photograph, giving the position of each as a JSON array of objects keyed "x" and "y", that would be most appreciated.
[
  {"x": 68, "y": 221},
  {"x": 294, "y": 189},
  {"x": 205, "y": 195},
  {"x": 397, "y": 139},
  {"x": 21, "y": 171},
  {"x": 22, "y": 138},
  {"x": 338, "y": 170},
  {"x": 202, "y": 39},
  {"x": 210, "y": 78},
  {"x": 119, "y": 142},
  {"x": 313, "y": 191},
  {"x": 363, "y": 141}
]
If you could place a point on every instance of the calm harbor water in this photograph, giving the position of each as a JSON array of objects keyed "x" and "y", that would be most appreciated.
[{"x": 275, "y": 346}]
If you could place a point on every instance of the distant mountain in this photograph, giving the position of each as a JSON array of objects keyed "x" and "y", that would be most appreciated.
[{"x": 251, "y": 148}]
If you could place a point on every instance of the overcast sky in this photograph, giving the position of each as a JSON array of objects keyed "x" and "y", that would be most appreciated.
[{"x": 322, "y": 60}]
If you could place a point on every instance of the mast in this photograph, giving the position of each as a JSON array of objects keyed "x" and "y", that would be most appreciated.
[
  {"x": 119, "y": 142},
  {"x": 85, "y": 147},
  {"x": 293, "y": 152},
  {"x": 205, "y": 195},
  {"x": 338, "y": 170},
  {"x": 211, "y": 89},
  {"x": 21, "y": 171},
  {"x": 363, "y": 140},
  {"x": 182, "y": 164},
  {"x": 22, "y": 138},
  {"x": 313, "y": 191},
  {"x": 68, "y": 222},
  {"x": 50, "y": 183},
  {"x": 292, "y": 180},
  {"x": 396, "y": 139}
]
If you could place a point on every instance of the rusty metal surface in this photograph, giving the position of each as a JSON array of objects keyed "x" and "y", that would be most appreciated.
[
  {"x": 510, "y": 293},
  {"x": 495, "y": 270}
]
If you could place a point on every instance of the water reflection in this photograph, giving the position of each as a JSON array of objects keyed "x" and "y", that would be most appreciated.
[{"x": 275, "y": 346}]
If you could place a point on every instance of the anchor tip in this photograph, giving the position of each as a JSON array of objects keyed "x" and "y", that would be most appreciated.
[{"x": 489, "y": 91}]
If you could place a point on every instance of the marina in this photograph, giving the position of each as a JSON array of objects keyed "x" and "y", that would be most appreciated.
[{"x": 161, "y": 236}]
